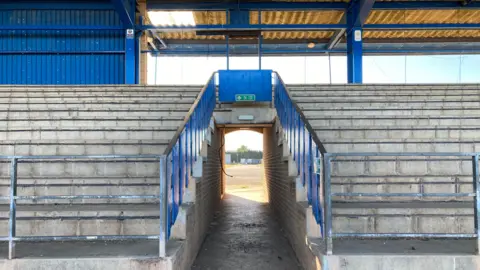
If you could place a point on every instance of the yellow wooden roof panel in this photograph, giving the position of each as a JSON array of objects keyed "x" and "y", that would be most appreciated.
[
  {"x": 426, "y": 34},
  {"x": 423, "y": 16},
  {"x": 332, "y": 17}
]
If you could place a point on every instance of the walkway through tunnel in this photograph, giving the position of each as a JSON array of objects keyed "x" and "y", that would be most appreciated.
[{"x": 245, "y": 233}]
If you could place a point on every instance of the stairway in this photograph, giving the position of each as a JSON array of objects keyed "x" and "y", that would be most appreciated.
[
  {"x": 397, "y": 118},
  {"x": 91, "y": 120}
]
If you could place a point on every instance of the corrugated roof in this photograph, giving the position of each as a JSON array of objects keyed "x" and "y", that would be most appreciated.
[{"x": 333, "y": 17}]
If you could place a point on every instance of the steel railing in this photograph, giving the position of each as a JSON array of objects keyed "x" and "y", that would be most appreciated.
[
  {"x": 184, "y": 148},
  {"x": 303, "y": 143},
  {"x": 420, "y": 197},
  {"x": 13, "y": 197}
]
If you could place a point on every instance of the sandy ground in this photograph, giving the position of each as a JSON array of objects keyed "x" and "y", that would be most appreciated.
[{"x": 244, "y": 233}]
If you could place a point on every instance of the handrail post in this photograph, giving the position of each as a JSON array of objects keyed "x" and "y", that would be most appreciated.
[
  {"x": 163, "y": 207},
  {"x": 13, "y": 209},
  {"x": 328, "y": 204},
  {"x": 476, "y": 205}
]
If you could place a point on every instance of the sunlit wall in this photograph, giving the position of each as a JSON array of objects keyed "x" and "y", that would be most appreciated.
[{"x": 323, "y": 69}]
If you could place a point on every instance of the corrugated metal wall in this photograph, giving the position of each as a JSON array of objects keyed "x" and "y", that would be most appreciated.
[{"x": 61, "y": 56}]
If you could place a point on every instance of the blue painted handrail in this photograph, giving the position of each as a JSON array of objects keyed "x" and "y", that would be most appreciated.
[
  {"x": 304, "y": 146},
  {"x": 184, "y": 148}
]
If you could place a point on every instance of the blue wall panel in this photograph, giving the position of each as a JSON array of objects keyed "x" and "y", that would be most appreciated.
[{"x": 61, "y": 56}]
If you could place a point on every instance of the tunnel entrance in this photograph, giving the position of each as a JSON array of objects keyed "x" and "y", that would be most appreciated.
[
  {"x": 243, "y": 172},
  {"x": 245, "y": 233}
]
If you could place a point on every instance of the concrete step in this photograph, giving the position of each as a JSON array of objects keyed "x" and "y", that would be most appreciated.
[
  {"x": 97, "y": 95},
  {"x": 82, "y": 147},
  {"x": 100, "y": 88},
  {"x": 386, "y": 103},
  {"x": 407, "y": 217},
  {"x": 402, "y": 180},
  {"x": 404, "y": 132},
  {"x": 90, "y": 122},
  {"x": 84, "y": 219},
  {"x": 88, "y": 133},
  {"x": 382, "y": 93},
  {"x": 383, "y": 87},
  {"x": 74, "y": 106},
  {"x": 376, "y": 95},
  {"x": 405, "y": 167},
  {"x": 400, "y": 145},
  {"x": 340, "y": 105},
  {"x": 85, "y": 185},
  {"x": 403, "y": 111},
  {"x": 99, "y": 99},
  {"x": 100, "y": 112},
  {"x": 356, "y": 121},
  {"x": 83, "y": 169}
]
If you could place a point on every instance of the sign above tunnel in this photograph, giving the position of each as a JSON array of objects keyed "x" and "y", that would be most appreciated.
[
  {"x": 245, "y": 97},
  {"x": 244, "y": 86}
]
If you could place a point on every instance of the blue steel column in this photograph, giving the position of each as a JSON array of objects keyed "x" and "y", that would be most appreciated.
[
  {"x": 130, "y": 62},
  {"x": 356, "y": 14},
  {"x": 354, "y": 55}
]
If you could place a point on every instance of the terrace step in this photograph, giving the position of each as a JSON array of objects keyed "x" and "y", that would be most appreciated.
[
  {"x": 332, "y": 121},
  {"x": 84, "y": 219},
  {"x": 100, "y": 112},
  {"x": 107, "y": 122},
  {"x": 402, "y": 132},
  {"x": 88, "y": 133},
  {"x": 401, "y": 145}
]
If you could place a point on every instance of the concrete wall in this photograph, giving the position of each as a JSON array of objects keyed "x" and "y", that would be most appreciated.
[
  {"x": 294, "y": 216},
  {"x": 195, "y": 217}
]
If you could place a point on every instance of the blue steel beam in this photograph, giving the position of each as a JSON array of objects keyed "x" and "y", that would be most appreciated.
[
  {"x": 337, "y": 36},
  {"x": 426, "y": 26},
  {"x": 424, "y": 5},
  {"x": 320, "y": 49},
  {"x": 362, "y": 12},
  {"x": 60, "y": 27},
  {"x": 240, "y": 27},
  {"x": 262, "y": 27},
  {"x": 307, "y": 27},
  {"x": 364, "y": 7},
  {"x": 221, "y": 6},
  {"x": 48, "y": 5},
  {"x": 123, "y": 12}
]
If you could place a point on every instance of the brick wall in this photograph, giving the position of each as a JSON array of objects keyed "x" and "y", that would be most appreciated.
[
  {"x": 200, "y": 213},
  {"x": 282, "y": 198}
]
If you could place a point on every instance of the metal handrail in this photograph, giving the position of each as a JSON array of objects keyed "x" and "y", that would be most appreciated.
[
  {"x": 330, "y": 157},
  {"x": 302, "y": 116},
  {"x": 304, "y": 145},
  {"x": 13, "y": 198},
  {"x": 192, "y": 109},
  {"x": 184, "y": 149}
]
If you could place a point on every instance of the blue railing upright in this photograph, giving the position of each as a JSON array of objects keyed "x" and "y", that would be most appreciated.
[
  {"x": 304, "y": 145},
  {"x": 184, "y": 148}
]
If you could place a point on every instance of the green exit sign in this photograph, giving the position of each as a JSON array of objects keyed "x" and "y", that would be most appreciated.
[{"x": 245, "y": 97}]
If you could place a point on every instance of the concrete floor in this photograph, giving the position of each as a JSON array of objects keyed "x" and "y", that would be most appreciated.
[
  {"x": 82, "y": 249},
  {"x": 244, "y": 233}
]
